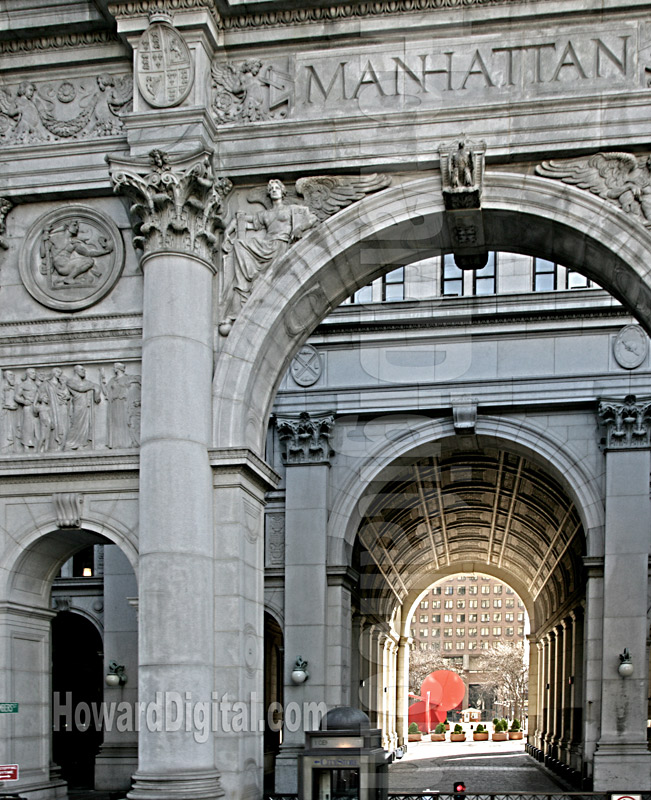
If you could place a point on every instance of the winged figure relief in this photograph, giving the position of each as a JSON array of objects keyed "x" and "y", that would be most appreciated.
[
  {"x": 620, "y": 177},
  {"x": 253, "y": 243}
]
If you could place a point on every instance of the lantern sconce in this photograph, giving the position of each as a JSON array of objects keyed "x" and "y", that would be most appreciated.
[
  {"x": 299, "y": 671},
  {"x": 625, "y": 667},
  {"x": 115, "y": 675}
]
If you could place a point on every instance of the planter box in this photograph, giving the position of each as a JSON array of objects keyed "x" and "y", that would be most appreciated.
[
  {"x": 437, "y": 737},
  {"x": 500, "y": 737},
  {"x": 480, "y": 737},
  {"x": 515, "y": 734},
  {"x": 457, "y": 737},
  {"x": 414, "y": 737}
]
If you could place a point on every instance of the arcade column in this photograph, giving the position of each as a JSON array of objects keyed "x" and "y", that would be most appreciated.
[
  {"x": 306, "y": 453},
  {"x": 622, "y": 758},
  {"x": 176, "y": 203}
]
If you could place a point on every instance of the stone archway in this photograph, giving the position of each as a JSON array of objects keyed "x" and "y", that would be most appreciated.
[{"x": 521, "y": 213}]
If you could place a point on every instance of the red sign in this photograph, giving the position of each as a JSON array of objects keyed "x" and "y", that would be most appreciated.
[{"x": 8, "y": 772}]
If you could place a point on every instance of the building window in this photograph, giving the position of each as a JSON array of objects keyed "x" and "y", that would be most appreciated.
[
  {"x": 449, "y": 589},
  {"x": 508, "y": 617},
  {"x": 497, "y": 604},
  {"x": 545, "y": 275},
  {"x": 472, "y": 631},
  {"x": 485, "y": 603},
  {"x": 472, "y": 604},
  {"x": 461, "y": 603},
  {"x": 497, "y": 617},
  {"x": 461, "y": 617},
  {"x": 484, "y": 631},
  {"x": 436, "y": 617},
  {"x": 520, "y": 616},
  {"x": 436, "y": 633},
  {"x": 448, "y": 617},
  {"x": 436, "y": 603},
  {"x": 497, "y": 590},
  {"x": 461, "y": 590},
  {"x": 461, "y": 645},
  {"x": 423, "y": 603},
  {"x": 449, "y": 604},
  {"x": 472, "y": 590},
  {"x": 436, "y": 590},
  {"x": 520, "y": 630},
  {"x": 363, "y": 295},
  {"x": 483, "y": 645},
  {"x": 447, "y": 632},
  {"x": 574, "y": 280},
  {"x": 461, "y": 632},
  {"x": 497, "y": 631},
  {"x": 423, "y": 618},
  {"x": 393, "y": 285},
  {"x": 485, "y": 618},
  {"x": 485, "y": 589},
  {"x": 509, "y": 631},
  {"x": 451, "y": 277},
  {"x": 472, "y": 645},
  {"x": 509, "y": 590},
  {"x": 472, "y": 617},
  {"x": 447, "y": 645},
  {"x": 424, "y": 632},
  {"x": 485, "y": 279},
  {"x": 509, "y": 602}
]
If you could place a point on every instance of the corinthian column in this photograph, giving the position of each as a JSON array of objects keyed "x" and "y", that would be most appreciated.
[{"x": 175, "y": 205}]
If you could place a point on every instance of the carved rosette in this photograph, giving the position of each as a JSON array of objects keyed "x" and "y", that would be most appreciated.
[
  {"x": 306, "y": 439},
  {"x": 176, "y": 203},
  {"x": 627, "y": 423}
]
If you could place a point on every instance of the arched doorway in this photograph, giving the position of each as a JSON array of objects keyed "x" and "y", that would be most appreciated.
[{"x": 77, "y": 682}]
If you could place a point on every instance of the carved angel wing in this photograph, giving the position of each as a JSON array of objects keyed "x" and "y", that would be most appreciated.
[
  {"x": 327, "y": 194},
  {"x": 122, "y": 94},
  {"x": 8, "y": 110},
  {"x": 604, "y": 174},
  {"x": 226, "y": 78}
]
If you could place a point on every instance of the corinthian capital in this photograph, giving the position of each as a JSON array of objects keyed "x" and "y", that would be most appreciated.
[
  {"x": 628, "y": 422},
  {"x": 306, "y": 439},
  {"x": 176, "y": 204}
]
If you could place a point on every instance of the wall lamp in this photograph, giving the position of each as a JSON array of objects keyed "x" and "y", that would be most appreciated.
[
  {"x": 115, "y": 675},
  {"x": 625, "y": 667},
  {"x": 299, "y": 671}
]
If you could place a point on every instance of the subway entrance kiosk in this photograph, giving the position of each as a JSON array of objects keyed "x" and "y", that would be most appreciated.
[{"x": 344, "y": 759}]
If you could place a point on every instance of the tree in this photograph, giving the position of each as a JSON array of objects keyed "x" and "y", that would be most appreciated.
[
  {"x": 504, "y": 667},
  {"x": 422, "y": 662}
]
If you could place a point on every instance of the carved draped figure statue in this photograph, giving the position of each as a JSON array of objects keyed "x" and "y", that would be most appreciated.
[
  {"x": 10, "y": 414},
  {"x": 123, "y": 393},
  {"x": 276, "y": 230},
  {"x": 53, "y": 406},
  {"x": 84, "y": 395},
  {"x": 25, "y": 396}
]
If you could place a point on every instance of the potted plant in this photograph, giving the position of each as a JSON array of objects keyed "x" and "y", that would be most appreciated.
[
  {"x": 458, "y": 735},
  {"x": 413, "y": 734},
  {"x": 439, "y": 733},
  {"x": 499, "y": 731},
  {"x": 480, "y": 734},
  {"x": 514, "y": 730}
]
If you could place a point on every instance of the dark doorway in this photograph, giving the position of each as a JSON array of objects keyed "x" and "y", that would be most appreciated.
[{"x": 77, "y": 685}]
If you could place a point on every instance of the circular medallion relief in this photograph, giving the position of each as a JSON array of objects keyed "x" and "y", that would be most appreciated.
[
  {"x": 306, "y": 366},
  {"x": 71, "y": 257},
  {"x": 631, "y": 347},
  {"x": 165, "y": 71}
]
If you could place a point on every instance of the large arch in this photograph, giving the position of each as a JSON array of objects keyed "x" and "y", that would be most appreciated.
[{"x": 521, "y": 213}]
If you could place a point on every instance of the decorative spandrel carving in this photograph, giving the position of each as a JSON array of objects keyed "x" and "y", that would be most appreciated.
[
  {"x": 306, "y": 367},
  {"x": 631, "y": 347},
  {"x": 67, "y": 506},
  {"x": 5, "y": 207},
  {"x": 64, "y": 110},
  {"x": 176, "y": 202},
  {"x": 254, "y": 242},
  {"x": 306, "y": 438},
  {"x": 628, "y": 423},
  {"x": 165, "y": 72},
  {"x": 71, "y": 258},
  {"x": 621, "y": 178},
  {"x": 275, "y": 539},
  {"x": 45, "y": 411},
  {"x": 123, "y": 394},
  {"x": 249, "y": 91}
]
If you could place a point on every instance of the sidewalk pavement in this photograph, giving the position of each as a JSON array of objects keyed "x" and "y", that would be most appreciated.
[{"x": 484, "y": 767}]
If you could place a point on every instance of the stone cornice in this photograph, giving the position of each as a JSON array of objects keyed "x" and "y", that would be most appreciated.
[
  {"x": 125, "y": 9},
  {"x": 53, "y": 467},
  {"x": 241, "y": 459},
  {"x": 60, "y": 41}
]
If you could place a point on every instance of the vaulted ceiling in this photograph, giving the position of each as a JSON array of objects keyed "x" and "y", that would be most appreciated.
[{"x": 485, "y": 505}]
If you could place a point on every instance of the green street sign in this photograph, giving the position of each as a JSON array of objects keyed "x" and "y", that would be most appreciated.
[{"x": 8, "y": 708}]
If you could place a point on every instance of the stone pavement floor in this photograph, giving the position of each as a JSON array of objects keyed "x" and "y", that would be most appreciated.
[{"x": 482, "y": 766}]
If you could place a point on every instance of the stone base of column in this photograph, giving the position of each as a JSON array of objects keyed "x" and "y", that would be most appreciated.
[
  {"x": 287, "y": 770},
  {"x": 114, "y": 766},
  {"x": 190, "y": 785},
  {"x": 576, "y": 756},
  {"x": 621, "y": 766}
]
